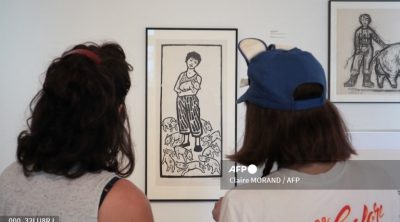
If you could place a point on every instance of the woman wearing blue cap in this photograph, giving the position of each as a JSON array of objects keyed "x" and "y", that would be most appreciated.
[{"x": 291, "y": 124}]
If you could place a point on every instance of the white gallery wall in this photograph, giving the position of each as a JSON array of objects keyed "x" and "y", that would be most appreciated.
[{"x": 33, "y": 32}]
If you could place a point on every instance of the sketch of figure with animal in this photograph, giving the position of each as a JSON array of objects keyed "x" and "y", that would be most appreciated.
[{"x": 363, "y": 52}]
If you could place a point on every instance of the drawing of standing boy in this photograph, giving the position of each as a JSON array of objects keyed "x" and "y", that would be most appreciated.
[{"x": 187, "y": 103}]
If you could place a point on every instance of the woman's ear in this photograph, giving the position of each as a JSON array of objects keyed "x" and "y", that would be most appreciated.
[{"x": 251, "y": 47}]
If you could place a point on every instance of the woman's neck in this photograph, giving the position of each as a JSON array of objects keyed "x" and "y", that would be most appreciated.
[
  {"x": 190, "y": 72},
  {"x": 312, "y": 168}
]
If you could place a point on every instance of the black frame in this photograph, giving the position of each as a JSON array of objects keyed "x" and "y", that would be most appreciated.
[
  {"x": 333, "y": 78},
  {"x": 147, "y": 104}
]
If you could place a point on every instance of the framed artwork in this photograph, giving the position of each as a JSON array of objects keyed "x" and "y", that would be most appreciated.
[
  {"x": 364, "y": 51},
  {"x": 190, "y": 111}
]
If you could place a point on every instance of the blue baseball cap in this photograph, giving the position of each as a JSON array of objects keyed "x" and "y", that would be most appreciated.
[{"x": 274, "y": 75}]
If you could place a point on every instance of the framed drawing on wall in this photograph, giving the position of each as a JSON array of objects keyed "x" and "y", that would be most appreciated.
[
  {"x": 190, "y": 111},
  {"x": 364, "y": 51}
]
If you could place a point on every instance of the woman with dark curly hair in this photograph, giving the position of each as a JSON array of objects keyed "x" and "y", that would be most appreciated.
[{"x": 78, "y": 143}]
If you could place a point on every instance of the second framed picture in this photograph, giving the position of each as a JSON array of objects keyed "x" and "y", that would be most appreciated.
[
  {"x": 364, "y": 51},
  {"x": 190, "y": 111}
]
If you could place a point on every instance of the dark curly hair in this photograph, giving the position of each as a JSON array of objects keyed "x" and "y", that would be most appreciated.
[
  {"x": 194, "y": 55},
  {"x": 78, "y": 120}
]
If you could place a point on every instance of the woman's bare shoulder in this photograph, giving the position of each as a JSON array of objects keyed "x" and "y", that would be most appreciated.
[{"x": 125, "y": 202}]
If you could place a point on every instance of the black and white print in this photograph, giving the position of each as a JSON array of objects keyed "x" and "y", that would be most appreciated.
[
  {"x": 365, "y": 47},
  {"x": 191, "y": 109}
]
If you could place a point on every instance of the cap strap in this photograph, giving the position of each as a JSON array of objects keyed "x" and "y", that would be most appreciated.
[{"x": 308, "y": 104}]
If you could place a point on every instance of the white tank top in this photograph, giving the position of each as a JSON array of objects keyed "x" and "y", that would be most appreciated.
[{"x": 43, "y": 194}]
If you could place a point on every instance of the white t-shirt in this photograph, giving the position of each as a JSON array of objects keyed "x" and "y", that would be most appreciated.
[{"x": 317, "y": 205}]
